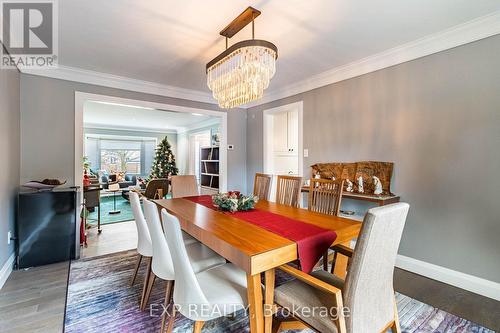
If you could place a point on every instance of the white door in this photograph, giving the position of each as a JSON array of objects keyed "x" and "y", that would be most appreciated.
[
  {"x": 196, "y": 141},
  {"x": 282, "y": 142},
  {"x": 280, "y": 133}
]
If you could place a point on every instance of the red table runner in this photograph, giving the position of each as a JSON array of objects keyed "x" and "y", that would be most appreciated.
[{"x": 312, "y": 241}]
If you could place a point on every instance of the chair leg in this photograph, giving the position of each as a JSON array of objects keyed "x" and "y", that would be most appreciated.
[
  {"x": 151, "y": 282},
  {"x": 171, "y": 321},
  {"x": 396, "y": 328},
  {"x": 198, "y": 326},
  {"x": 168, "y": 296},
  {"x": 145, "y": 286},
  {"x": 137, "y": 265},
  {"x": 333, "y": 262},
  {"x": 325, "y": 261}
]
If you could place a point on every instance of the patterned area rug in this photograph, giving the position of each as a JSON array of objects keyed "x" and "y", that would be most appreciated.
[{"x": 101, "y": 300}]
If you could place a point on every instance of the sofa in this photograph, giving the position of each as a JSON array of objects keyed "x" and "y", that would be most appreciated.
[{"x": 128, "y": 180}]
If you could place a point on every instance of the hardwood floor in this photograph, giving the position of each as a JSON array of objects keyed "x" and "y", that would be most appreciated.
[
  {"x": 462, "y": 303},
  {"x": 33, "y": 300},
  {"x": 115, "y": 237}
]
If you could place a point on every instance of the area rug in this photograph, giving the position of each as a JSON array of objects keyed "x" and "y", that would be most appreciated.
[
  {"x": 100, "y": 300},
  {"x": 107, "y": 205}
]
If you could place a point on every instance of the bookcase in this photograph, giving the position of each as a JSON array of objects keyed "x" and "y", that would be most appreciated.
[{"x": 209, "y": 168}]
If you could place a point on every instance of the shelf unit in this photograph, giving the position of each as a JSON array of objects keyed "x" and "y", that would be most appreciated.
[{"x": 209, "y": 168}]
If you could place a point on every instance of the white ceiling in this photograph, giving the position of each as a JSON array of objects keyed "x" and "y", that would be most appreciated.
[
  {"x": 122, "y": 117},
  {"x": 169, "y": 42}
]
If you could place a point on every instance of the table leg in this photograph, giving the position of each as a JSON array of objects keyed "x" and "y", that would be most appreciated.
[
  {"x": 269, "y": 277},
  {"x": 340, "y": 269},
  {"x": 256, "y": 311}
]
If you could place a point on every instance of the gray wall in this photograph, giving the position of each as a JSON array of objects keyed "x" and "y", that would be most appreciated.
[
  {"x": 9, "y": 160},
  {"x": 438, "y": 119},
  {"x": 47, "y": 128}
]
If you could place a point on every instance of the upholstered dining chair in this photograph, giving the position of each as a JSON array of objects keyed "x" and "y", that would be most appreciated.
[
  {"x": 325, "y": 196},
  {"x": 199, "y": 256},
  {"x": 144, "y": 246},
  {"x": 184, "y": 186},
  {"x": 203, "y": 296},
  {"x": 288, "y": 190},
  {"x": 262, "y": 185},
  {"x": 367, "y": 291}
]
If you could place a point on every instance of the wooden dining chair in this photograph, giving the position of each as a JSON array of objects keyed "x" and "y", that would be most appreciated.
[
  {"x": 288, "y": 190},
  {"x": 184, "y": 186},
  {"x": 325, "y": 196},
  {"x": 367, "y": 291},
  {"x": 262, "y": 185}
]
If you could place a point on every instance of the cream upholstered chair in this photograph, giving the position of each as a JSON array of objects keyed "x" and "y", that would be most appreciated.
[
  {"x": 368, "y": 290},
  {"x": 184, "y": 186},
  {"x": 288, "y": 190},
  {"x": 262, "y": 185},
  {"x": 200, "y": 257},
  {"x": 144, "y": 246},
  {"x": 206, "y": 295}
]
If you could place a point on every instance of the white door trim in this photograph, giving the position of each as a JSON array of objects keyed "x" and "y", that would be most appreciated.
[{"x": 82, "y": 97}]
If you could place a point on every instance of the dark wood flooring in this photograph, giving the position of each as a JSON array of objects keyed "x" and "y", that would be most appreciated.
[{"x": 462, "y": 303}]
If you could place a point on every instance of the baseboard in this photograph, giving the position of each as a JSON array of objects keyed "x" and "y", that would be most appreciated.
[
  {"x": 7, "y": 269},
  {"x": 458, "y": 279}
]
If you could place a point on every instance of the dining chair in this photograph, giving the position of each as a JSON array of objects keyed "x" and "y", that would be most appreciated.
[
  {"x": 184, "y": 186},
  {"x": 325, "y": 196},
  {"x": 144, "y": 246},
  {"x": 202, "y": 296},
  {"x": 200, "y": 257},
  {"x": 156, "y": 188},
  {"x": 262, "y": 185},
  {"x": 367, "y": 291},
  {"x": 288, "y": 190}
]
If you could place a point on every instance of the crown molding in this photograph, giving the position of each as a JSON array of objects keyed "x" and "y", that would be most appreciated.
[
  {"x": 120, "y": 82},
  {"x": 468, "y": 32}
]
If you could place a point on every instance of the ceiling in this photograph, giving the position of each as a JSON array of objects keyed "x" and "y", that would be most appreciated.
[
  {"x": 169, "y": 42},
  {"x": 122, "y": 117}
]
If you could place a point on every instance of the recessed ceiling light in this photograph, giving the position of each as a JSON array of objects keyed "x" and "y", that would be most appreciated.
[
  {"x": 125, "y": 105},
  {"x": 197, "y": 114}
]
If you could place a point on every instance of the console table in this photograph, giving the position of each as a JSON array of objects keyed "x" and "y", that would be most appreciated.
[{"x": 381, "y": 200}]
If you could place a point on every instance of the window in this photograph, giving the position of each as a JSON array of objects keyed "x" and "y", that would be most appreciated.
[
  {"x": 127, "y": 161},
  {"x": 120, "y": 154}
]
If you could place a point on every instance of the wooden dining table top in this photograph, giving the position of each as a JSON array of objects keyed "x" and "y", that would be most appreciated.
[{"x": 246, "y": 245}]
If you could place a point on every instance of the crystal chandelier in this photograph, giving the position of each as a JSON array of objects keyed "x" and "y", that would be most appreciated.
[{"x": 242, "y": 72}]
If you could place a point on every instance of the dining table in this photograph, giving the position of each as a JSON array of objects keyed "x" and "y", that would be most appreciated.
[{"x": 254, "y": 249}]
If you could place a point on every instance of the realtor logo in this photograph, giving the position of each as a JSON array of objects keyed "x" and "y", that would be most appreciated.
[{"x": 29, "y": 33}]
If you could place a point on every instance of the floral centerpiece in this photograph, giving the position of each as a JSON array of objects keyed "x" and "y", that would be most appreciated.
[{"x": 234, "y": 201}]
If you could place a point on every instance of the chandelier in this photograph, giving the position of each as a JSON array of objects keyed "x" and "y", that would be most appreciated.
[{"x": 242, "y": 72}]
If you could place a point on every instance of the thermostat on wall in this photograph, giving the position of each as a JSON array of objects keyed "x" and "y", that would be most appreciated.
[{"x": 230, "y": 147}]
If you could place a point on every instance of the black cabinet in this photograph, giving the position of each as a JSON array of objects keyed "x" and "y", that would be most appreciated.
[{"x": 47, "y": 227}]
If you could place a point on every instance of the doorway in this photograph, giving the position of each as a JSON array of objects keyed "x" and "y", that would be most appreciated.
[{"x": 283, "y": 141}]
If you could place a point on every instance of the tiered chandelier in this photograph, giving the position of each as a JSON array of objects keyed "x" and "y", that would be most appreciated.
[{"x": 242, "y": 72}]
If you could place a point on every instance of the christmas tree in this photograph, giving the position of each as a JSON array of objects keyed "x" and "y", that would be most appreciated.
[{"x": 164, "y": 162}]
